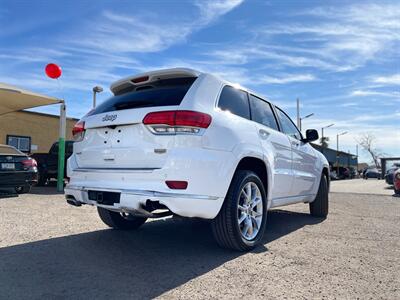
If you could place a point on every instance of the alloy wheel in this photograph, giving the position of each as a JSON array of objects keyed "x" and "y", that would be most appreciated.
[{"x": 250, "y": 211}]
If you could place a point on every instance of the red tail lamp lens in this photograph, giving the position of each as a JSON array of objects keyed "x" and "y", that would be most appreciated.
[
  {"x": 177, "y": 185},
  {"x": 178, "y": 118},
  {"x": 192, "y": 118},
  {"x": 78, "y": 128},
  {"x": 160, "y": 117},
  {"x": 29, "y": 163}
]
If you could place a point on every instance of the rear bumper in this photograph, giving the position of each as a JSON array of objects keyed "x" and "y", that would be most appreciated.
[
  {"x": 16, "y": 179},
  {"x": 208, "y": 173},
  {"x": 131, "y": 200}
]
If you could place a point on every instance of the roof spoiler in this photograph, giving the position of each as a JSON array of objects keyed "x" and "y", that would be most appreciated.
[{"x": 129, "y": 83}]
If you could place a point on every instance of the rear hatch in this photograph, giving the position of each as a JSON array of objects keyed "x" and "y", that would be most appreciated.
[{"x": 115, "y": 136}]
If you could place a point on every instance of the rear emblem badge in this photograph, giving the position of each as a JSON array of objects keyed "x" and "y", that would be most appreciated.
[{"x": 109, "y": 118}]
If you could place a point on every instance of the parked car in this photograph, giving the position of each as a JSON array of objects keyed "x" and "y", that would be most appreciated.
[
  {"x": 18, "y": 171},
  {"x": 353, "y": 173},
  {"x": 389, "y": 176},
  {"x": 373, "y": 173},
  {"x": 48, "y": 162},
  {"x": 333, "y": 175},
  {"x": 182, "y": 142},
  {"x": 396, "y": 182},
  {"x": 344, "y": 173}
]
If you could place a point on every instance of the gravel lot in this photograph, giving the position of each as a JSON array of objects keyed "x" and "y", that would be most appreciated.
[{"x": 51, "y": 250}]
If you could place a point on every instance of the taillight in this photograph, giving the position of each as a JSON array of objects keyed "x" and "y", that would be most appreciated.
[
  {"x": 78, "y": 132},
  {"x": 177, "y": 122},
  {"x": 29, "y": 163}
]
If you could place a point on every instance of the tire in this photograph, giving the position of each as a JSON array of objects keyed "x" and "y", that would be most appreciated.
[
  {"x": 23, "y": 189},
  {"x": 119, "y": 221},
  {"x": 42, "y": 179},
  {"x": 231, "y": 221},
  {"x": 320, "y": 206}
]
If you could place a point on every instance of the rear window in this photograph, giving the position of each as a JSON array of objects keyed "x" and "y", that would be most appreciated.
[
  {"x": 9, "y": 150},
  {"x": 165, "y": 92}
]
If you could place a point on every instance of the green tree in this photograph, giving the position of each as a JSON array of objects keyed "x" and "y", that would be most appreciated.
[{"x": 324, "y": 142}]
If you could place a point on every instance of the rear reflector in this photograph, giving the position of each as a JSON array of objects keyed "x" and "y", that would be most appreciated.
[
  {"x": 178, "y": 118},
  {"x": 177, "y": 185}
]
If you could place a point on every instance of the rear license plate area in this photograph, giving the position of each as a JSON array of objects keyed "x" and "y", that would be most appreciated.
[
  {"x": 106, "y": 198},
  {"x": 8, "y": 166}
]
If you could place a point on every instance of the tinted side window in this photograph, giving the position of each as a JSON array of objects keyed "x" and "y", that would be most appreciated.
[
  {"x": 54, "y": 149},
  {"x": 261, "y": 112},
  {"x": 288, "y": 126},
  {"x": 235, "y": 101},
  {"x": 68, "y": 147}
]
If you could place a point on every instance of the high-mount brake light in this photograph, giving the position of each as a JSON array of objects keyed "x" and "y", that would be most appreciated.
[
  {"x": 177, "y": 122},
  {"x": 140, "y": 79},
  {"x": 78, "y": 132}
]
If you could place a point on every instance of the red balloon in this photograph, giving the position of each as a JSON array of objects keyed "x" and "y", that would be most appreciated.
[{"x": 53, "y": 71}]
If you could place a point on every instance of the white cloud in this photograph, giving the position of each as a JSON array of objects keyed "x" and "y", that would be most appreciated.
[
  {"x": 116, "y": 32},
  {"x": 349, "y": 104},
  {"x": 213, "y": 9},
  {"x": 279, "y": 56},
  {"x": 363, "y": 93},
  {"x": 286, "y": 79},
  {"x": 389, "y": 80},
  {"x": 104, "y": 46},
  {"x": 347, "y": 36}
]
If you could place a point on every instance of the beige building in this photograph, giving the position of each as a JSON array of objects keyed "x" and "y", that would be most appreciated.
[{"x": 32, "y": 132}]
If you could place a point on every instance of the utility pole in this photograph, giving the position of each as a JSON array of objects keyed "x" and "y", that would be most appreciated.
[
  {"x": 310, "y": 115},
  {"x": 322, "y": 130},
  {"x": 323, "y": 137},
  {"x": 298, "y": 113},
  {"x": 96, "y": 89},
  {"x": 337, "y": 151},
  {"x": 61, "y": 147}
]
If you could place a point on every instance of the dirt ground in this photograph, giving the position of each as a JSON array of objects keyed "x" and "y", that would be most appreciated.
[{"x": 49, "y": 249}]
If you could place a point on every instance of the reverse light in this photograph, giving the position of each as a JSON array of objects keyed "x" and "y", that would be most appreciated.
[
  {"x": 78, "y": 132},
  {"x": 177, "y": 122},
  {"x": 176, "y": 184}
]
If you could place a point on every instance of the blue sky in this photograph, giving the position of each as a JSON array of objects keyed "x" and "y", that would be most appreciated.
[{"x": 341, "y": 58}]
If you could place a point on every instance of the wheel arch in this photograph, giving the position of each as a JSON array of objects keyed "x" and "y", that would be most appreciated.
[
  {"x": 325, "y": 171},
  {"x": 258, "y": 166}
]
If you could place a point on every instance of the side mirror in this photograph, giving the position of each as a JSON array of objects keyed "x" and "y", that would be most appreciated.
[{"x": 311, "y": 135}]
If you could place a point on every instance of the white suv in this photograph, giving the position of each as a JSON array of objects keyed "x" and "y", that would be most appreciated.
[{"x": 187, "y": 143}]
